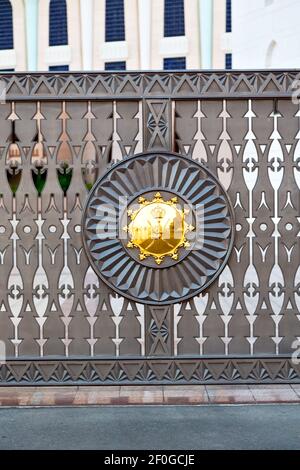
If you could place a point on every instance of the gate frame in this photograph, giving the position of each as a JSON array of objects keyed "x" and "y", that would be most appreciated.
[{"x": 76, "y": 86}]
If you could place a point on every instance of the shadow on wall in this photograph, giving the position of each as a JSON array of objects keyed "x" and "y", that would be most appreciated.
[{"x": 270, "y": 54}]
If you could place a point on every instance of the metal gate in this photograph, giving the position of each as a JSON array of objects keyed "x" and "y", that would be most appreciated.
[{"x": 59, "y": 324}]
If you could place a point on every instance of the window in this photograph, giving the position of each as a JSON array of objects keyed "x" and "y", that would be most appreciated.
[
  {"x": 228, "y": 17},
  {"x": 174, "y": 63},
  {"x": 115, "y": 65},
  {"x": 114, "y": 20},
  {"x": 6, "y": 25},
  {"x": 58, "y": 26},
  {"x": 174, "y": 18},
  {"x": 228, "y": 61},
  {"x": 58, "y": 68}
]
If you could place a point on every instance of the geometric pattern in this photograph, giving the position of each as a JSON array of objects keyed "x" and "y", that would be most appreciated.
[
  {"x": 58, "y": 134},
  {"x": 149, "y": 371},
  {"x": 247, "y": 84}
]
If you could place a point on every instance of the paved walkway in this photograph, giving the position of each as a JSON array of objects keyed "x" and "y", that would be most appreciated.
[
  {"x": 151, "y": 395},
  {"x": 151, "y": 427}
]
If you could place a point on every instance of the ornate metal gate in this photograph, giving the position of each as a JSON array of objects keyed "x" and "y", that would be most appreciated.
[{"x": 59, "y": 322}]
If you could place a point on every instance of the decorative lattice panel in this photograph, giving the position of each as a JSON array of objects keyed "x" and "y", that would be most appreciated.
[{"x": 59, "y": 322}]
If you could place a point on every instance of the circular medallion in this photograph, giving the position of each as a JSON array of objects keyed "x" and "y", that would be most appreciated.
[{"x": 158, "y": 228}]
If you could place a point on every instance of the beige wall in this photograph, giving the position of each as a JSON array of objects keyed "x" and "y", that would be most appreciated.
[
  {"x": 193, "y": 59},
  {"x": 132, "y": 34},
  {"x": 157, "y": 31},
  {"x": 43, "y": 34},
  {"x": 74, "y": 35},
  {"x": 219, "y": 35},
  {"x": 99, "y": 33},
  {"x": 19, "y": 34}
]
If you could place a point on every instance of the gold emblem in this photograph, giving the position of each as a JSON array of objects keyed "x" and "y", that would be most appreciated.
[{"x": 158, "y": 228}]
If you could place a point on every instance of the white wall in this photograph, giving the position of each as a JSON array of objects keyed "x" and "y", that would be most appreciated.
[{"x": 265, "y": 33}]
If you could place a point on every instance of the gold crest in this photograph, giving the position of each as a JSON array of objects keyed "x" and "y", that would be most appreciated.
[{"x": 158, "y": 228}]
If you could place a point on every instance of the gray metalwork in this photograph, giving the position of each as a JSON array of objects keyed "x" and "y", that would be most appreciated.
[
  {"x": 159, "y": 85},
  {"x": 59, "y": 133}
]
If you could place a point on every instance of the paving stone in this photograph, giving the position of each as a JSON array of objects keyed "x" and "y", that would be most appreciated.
[
  {"x": 10, "y": 401},
  {"x": 142, "y": 394},
  {"x": 229, "y": 394},
  {"x": 296, "y": 388},
  {"x": 130, "y": 395},
  {"x": 42, "y": 398},
  {"x": 16, "y": 396},
  {"x": 182, "y": 394},
  {"x": 103, "y": 395},
  {"x": 65, "y": 398},
  {"x": 274, "y": 393}
]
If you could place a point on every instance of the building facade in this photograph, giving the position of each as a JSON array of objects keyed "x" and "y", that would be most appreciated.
[
  {"x": 265, "y": 34},
  {"x": 61, "y": 35}
]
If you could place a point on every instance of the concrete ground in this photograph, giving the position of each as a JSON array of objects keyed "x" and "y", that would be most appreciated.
[{"x": 258, "y": 426}]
